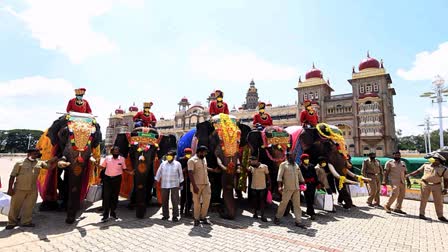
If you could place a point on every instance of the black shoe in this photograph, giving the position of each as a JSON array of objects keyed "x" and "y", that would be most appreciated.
[
  {"x": 205, "y": 222},
  {"x": 255, "y": 216},
  {"x": 263, "y": 219},
  {"x": 165, "y": 218},
  {"x": 305, "y": 215},
  {"x": 300, "y": 225},
  {"x": 100, "y": 209},
  {"x": 113, "y": 215},
  {"x": 399, "y": 211},
  {"x": 9, "y": 227},
  {"x": 196, "y": 223},
  {"x": 29, "y": 225},
  {"x": 104, "y": 219},
  {"x": 276, "y": 221},
  {"x": 370, "y": 205},
  {"x": 421, "y": 216},
  {"x": 70, "y": 220},
  {"x": 175, "y": 219},
  {"x": 443, "y": 219},
  {"x": 313, "y": 217}
]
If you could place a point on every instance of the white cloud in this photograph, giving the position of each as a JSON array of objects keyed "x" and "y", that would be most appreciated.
[
  {"x": 65, "y": 25},
  {"x": 33, "y": 102},
  {"x": 241, "y": 65},
  {"x": 408, "y": 126},
  {"x": 427, "y": 65}
]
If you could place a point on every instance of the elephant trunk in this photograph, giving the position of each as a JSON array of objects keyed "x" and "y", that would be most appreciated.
[{"x": 336, "y": 175}]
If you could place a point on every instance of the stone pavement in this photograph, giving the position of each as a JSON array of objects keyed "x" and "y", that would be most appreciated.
[{"x": 359, "y": 229}]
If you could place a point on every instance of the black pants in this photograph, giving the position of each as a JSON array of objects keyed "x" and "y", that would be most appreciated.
[
  {"x": 259, "y": 199},
  {"x": 186, "y": 198},
  {"x": 111, "y": 188},
  {"x": 309, "y": 198},
  {"x": 344, "y": 197}
]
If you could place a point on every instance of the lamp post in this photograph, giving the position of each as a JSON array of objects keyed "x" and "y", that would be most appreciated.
[
  {"x": 427, "y": 133},
  {"x": 29, "y": 141},
  {"x": 436, "y": 96}
]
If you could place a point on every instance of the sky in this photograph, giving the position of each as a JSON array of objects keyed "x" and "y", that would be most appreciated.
[{"x": 126, "y": 51}]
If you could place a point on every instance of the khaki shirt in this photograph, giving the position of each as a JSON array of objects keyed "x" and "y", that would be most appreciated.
[
  {"x": 259, "y": 176},
  {"x": 322, "y": 176},
  {"x": 199, "y": 168},
  {"x": 290, "y": 175},
  {"x": 397, "y": 172},
  {"x": 433, "y": 174},
  {"x": 26, "y": 173},
  {"x": 371, "y": 167}
]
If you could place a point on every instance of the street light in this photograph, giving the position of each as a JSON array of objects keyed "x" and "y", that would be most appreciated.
[
  {"x": 29, "y": 141},
  {"x": 427, "y": 133},
  {"x": 440, "y": 90}
]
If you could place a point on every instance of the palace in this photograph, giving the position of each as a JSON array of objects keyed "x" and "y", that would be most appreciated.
[{"x": 365, "y": 116}]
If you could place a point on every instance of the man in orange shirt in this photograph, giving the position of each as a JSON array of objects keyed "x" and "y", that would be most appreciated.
[
  {"x": 145, "y": 118},
  {"x": 78, "y": 104},
  {"x": 262, "y": 118},
  {"x": 219, "y": 106}
]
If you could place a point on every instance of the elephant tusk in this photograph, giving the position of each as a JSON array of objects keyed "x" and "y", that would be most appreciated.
[{"x": 336, "y": 175}]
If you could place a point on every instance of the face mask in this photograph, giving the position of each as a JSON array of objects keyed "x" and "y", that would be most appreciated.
[
  {"x": 169, "y": 158},
  {"x": 115, "y": 156},
  {"x": 261, "y": 110},
  {"x": 372, "y": 158},
  {"x": 306, "y": 161},
  {"x": 79, "y": 97},
  {"x": 219, "y": 99},
  {"x": 397, "y": 158},
  {"x": 431, "y": 160},
  {"x": 323, "y": 164},
  {"x": 188, "y": 155}
]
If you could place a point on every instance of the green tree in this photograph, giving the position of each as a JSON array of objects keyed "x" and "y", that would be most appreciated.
[{"x": 16, "y": 140}]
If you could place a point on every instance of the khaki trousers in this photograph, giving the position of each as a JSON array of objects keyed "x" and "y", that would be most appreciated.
[
  {"x": 398, "y": 193},
  {"x": 200, "y": 210},
  {"x": 437, "y": 196},
  {"x": 374, "y": 187},
  {"x": 22, "y": 202},
  {"x": 294, "y": 196}
]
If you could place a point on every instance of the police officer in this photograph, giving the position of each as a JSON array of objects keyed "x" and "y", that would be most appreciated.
[
  {"x": 371, "y": 168},
  {"x": 395, "y": 172},
  {"x": 23, "y": 190},
  {"x": 433, "y": 173}
]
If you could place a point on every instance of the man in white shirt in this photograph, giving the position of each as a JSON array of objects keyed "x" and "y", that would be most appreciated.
[{"x": 171, "y": 177}]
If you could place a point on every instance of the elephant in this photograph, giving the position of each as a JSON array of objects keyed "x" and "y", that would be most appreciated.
[
  {"x": 76, "y": 138},
  {"x": 270, "y": 146},
  {"x": 327, "y": 141},
  {"x": 142, "y": 148},
  {"x": 223, "y": 136}
]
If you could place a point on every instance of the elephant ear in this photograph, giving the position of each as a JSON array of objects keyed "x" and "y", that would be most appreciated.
[
  {"x": 53, "y": 131},
  {"x": 63, "y": 136},
  {"x": 245, "y": 129},
  {"x": 168, "y": 142},
  {"x": 255, "y": 142},
  {"x": 97, "y": 138},
  {"x": 122, "y": 142},
  {"x": 203, "y": 131}
]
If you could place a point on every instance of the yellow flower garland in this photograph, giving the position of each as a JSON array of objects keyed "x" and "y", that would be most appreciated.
[
  {"x": 341, "y": 182},
  {"x": 229, "y": 134}
]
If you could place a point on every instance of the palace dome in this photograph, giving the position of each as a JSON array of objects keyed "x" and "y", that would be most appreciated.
[{"x": 368, "y": 63}]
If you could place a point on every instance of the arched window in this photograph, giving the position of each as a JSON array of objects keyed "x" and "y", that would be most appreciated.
[
  {"x": 361, "y": 89},
  {"x": 376, "y": 87},
  {"x": 311, "y": 96},
  {"x": 305, "y": 96},
  {"x": 316, "y": 95},
  {"x": 369, "y": 88}
]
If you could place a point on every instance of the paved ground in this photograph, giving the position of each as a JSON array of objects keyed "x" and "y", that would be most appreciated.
[{"x": 358, "y": 229}]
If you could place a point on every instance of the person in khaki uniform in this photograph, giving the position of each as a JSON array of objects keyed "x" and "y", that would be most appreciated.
[
  {"x": 371, "y": 168},
  {"x": 289, "y": 178},
  {"x": 433, "y": 173},
  {"x": 395, "y": 171},
  {"x": 23, "y": 190},
  {"x": 200, "y": 185}
]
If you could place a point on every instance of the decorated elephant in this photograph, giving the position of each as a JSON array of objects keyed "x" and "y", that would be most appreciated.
[
  {"x": 327, "y": 141},
  {"x": 270, "y": 146},
  {"x": 142, "y": 148},
  {"x": 76, "y": 138},
  {"x": 223, "y": 136}
]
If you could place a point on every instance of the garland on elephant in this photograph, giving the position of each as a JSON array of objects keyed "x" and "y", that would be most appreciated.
[
  {"x": 245, "y": 153},
  {"x": 230, "y": 135}
]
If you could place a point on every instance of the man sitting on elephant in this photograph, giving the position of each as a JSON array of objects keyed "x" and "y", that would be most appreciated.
[
  {"x": 145, "y": 118},
  {"x": 219, "y": 106},
  {"x": 262, "y": 118},
  {"x": 78, "y": 104},
  {"x": 308, "y": 117}
]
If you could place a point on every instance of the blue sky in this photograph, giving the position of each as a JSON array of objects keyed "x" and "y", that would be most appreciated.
[{"x": 137, "y": 50}]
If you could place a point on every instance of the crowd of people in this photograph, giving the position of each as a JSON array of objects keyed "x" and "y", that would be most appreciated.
[{"x": 185, "y": 180}]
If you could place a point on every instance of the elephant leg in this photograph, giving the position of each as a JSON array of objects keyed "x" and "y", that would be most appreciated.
[
  {"x": 150, "y": 190},
  {"x": 140, "y": 189},
  {"x": 216, "y": 186}
]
